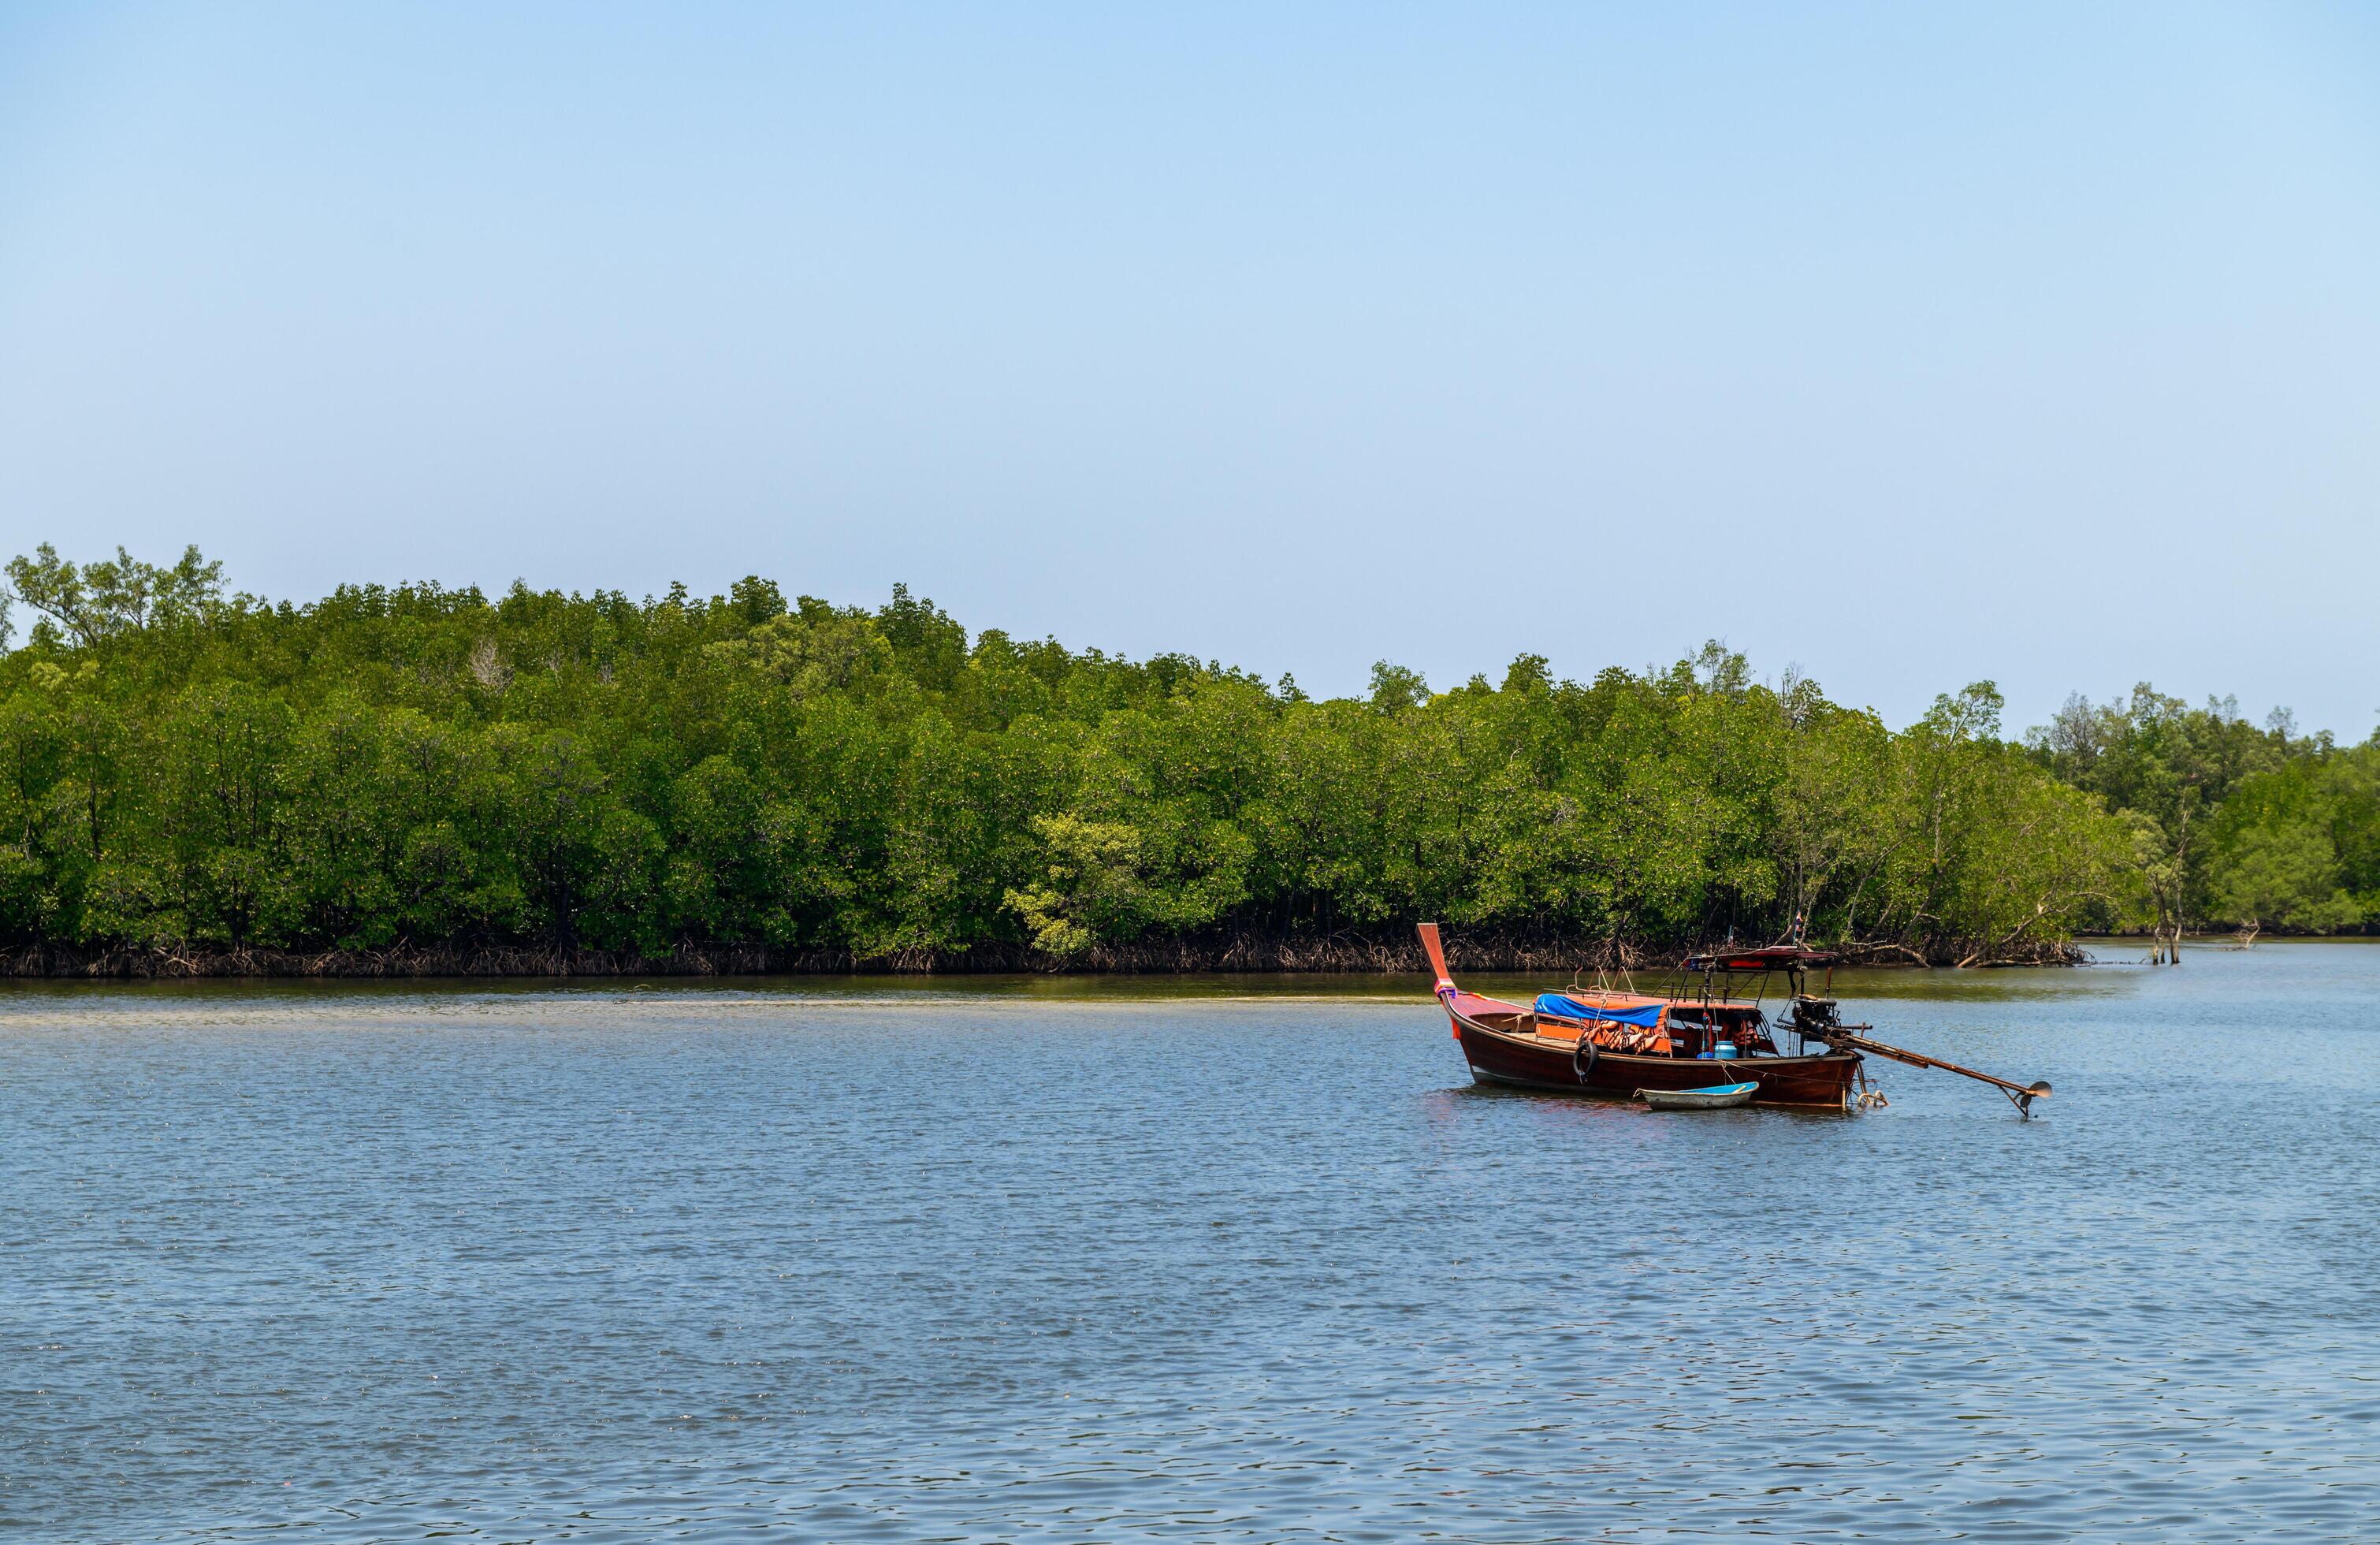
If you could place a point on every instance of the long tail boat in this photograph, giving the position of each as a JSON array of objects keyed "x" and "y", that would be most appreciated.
[{"x": 1607, "y": 1042}]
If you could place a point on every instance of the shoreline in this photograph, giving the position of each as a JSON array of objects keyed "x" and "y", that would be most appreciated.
[{"x": 1342, "y": 956}]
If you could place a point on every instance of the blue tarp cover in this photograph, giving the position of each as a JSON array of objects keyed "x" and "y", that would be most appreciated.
[{"x": 1565, "y": 1007}]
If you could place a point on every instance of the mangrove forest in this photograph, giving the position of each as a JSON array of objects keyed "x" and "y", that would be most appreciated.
[{"x": 415, "y": 778}]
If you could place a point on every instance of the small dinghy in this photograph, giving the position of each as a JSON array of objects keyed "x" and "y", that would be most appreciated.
[{"x": 1719, "y": 1097}]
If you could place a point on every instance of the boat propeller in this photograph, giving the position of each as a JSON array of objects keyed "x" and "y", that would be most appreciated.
[{"x": 2021, "y": 1096}]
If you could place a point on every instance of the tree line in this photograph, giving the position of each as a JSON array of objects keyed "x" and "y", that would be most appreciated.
[{"x": 188, "y": 769}]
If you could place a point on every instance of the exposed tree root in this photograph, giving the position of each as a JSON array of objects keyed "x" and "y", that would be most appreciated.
[{"x": 1348, "y": 953}]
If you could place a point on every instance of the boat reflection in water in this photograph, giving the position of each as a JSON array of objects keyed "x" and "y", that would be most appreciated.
[{"x": 1702, "y": 1036}]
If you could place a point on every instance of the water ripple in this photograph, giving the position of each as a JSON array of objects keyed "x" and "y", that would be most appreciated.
[{"x": 863, "y": 1264}]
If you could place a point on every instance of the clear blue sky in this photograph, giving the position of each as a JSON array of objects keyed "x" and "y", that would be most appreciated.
[{"x": 1906, "y": 344}]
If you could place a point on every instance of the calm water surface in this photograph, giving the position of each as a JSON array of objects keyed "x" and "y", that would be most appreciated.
[{"x": 1237, "y": 1261}]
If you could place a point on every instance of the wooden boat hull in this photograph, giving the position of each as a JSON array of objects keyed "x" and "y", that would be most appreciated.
[{"x": 1823, "y": 1082}]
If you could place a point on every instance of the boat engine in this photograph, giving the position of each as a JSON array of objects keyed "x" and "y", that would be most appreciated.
[{"x": 1813, "y": 1017}]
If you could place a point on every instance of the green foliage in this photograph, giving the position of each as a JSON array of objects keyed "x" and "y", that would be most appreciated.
[
  {"x": 419, "y": 765},
  {"x": 2230, "y": 823},
  {"x": 2297, "y": 845},
  {"x": 97, "y": 600}
]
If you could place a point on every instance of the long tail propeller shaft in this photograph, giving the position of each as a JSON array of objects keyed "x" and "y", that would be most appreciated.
[{"x": 2020, "y": 1095}]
